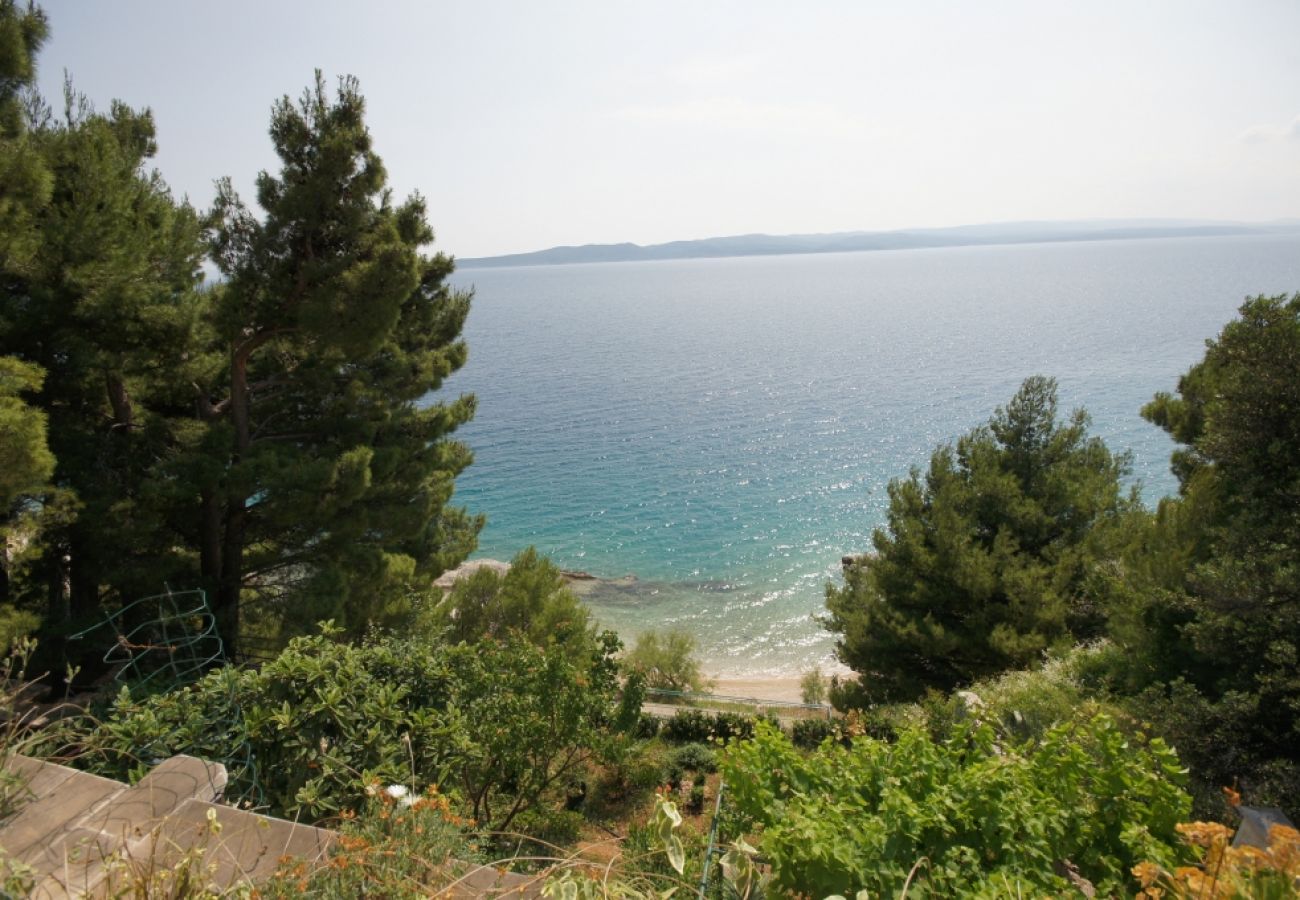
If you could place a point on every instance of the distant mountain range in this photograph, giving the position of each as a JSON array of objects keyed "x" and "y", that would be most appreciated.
[{"x": 908, "y": 239}]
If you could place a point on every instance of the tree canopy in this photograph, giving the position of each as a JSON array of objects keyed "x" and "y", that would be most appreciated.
[
  {"x": 273, "y": 439},
  {"x": 330, "y": 473},
  {"x": 1213, "y": 591},
  {"x": 530, "y": 598},
  {"x": 984, "y": 560}
]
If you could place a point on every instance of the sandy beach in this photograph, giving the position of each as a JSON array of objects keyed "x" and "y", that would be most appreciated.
[{"x": 756, "y": 687}]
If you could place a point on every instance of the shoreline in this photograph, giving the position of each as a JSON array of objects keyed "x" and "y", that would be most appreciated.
[
  {"x": 581, "y": 583},
  {"x": 725, "y": 681},
  {"x": 760, "y": 687}
]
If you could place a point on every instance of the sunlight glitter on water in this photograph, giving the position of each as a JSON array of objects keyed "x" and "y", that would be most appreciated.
[{"x": 687, "y": 422}]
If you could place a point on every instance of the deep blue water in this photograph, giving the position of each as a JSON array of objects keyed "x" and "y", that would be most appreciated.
[{"x": 725, "y": 429}]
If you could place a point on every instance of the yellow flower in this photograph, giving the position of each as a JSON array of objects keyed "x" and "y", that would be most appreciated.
[
  {"x": 1147, "y": 873},
  {"x": 1204, "y": 834}
]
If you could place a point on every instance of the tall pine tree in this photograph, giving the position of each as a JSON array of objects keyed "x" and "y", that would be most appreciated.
[
  {"x": 97, "y": 270},
  {"x": 984, "y": 561},
  {"x": 329, "y": 477},
  {"x": 25, "y": 460},
  {"x": 104, "y": 301},
  {"x": 1213, "y": 593}
]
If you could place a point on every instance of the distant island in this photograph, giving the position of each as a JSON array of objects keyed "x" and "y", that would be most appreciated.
[{"x": 909, "y": 239}]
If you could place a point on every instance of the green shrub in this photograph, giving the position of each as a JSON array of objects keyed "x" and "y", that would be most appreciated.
[
  {"x": 985, "y": 816},
  {"x": 647, "y": 726},
  {"x": 1032, "y": 701},
  {"x": 644, "y": 858},
  {"x": 667, "y": 660},
  {"x": 695, "y": 803},
  {"x": 813, "y": 686},
  {"x": 728, "y": 726},
  {"x": 627, "y": 781},
  {"x": 809, "y": 733},
  {"x": 1213, "y": 738},
  {"x": 694, "y": 758},
  {"x": 695, "y": 726},
  {"x": 549, "y": 831},
  {"x": 531, "y": 598},
  {"x": 503, "y": 721},
  {"x": 688, "y": 726}
]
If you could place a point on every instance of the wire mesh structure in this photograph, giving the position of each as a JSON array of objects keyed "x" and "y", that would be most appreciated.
[{"x": 163, "y": 643}]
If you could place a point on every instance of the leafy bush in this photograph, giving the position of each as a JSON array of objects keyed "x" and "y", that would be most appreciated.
[
  {"x": 549, "y": 831},
  {"x": 530, "y": 598},
  {"x": 843, "y": 819},
  {"x": 1029, "y": 702},
  {"x": 809, "y": 733},
  {"x": 813, "y": 686},
  {"x": 1214, "y": 737},
  {"x": 623, "y": 782},
  {"x": 695, "y": 803},
  {"x": 729, "y": 726},
  {"x": 695, "y": 726},
  {"x": 644, "y": 858},
  {"x": 502, "y": 721},
  {"x": 694, "y": 758},
  {"x": 647, "y": 726},
  {"x": 688, "y": 726},
  {"x": 667, "y": 660}
]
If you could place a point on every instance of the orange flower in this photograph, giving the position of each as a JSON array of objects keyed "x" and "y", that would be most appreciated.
[
  {"x": 1147, "y": 873},
  {"x": 1204, "y": 834},
  {"x": 1284, "y": 848}
]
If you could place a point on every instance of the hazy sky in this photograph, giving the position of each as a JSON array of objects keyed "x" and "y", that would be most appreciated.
[{"x": 531, "y": 124}]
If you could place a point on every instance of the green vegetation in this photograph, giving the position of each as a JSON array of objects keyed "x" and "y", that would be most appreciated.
[
  {"x": 1207, "y": 606},
  {"x": 984, "y": 563},
  {"x": 1019, "y": 541},
  {"x": 694, "y": 726},
  {"x": 325, "y": 481},
  {"x": 26, "y": 465},
  {"x": 267, "y": 439},
  {"x": 504, "y": 722},
  {"x": 968, "y": 816},
  {"x": 530, "y": 598},
  {"x": 813, "y": 686},
  {"x": 666, "y": 659}
]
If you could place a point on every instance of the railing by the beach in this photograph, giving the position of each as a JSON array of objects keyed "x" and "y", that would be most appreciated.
[{"x": 782, "y": 709}]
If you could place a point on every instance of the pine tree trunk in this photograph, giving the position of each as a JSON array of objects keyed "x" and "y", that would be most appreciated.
[
  {"x": 83, "y": 580},
  {"x": 230, "y": 583},
  {"x": 5, "y": 563},
  {"x": 56, "y": 617}
]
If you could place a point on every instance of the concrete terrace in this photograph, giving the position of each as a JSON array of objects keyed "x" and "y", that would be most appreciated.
[{"x": 87, "y": 836}]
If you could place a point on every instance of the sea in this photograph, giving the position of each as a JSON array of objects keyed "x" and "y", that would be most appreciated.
[{"x": 710, "y": 437}]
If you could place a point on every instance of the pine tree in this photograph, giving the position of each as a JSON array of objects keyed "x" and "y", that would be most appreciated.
[
  {"x": 97, "y": 281},
  {"x": 328, "y": 496},
  {"x": 1215, "y": 588},
  {"x": 24, "y": 179},
  {"x": 25, "y": 460},
  {"x": 983, "y": 563}
]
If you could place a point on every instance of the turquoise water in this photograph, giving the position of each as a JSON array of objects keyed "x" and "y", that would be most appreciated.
[{"x": 725, "y": 429}]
